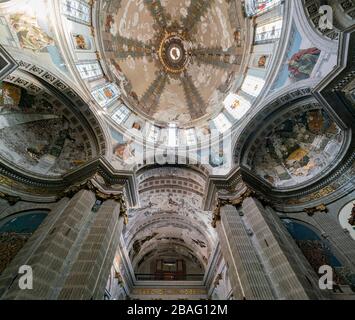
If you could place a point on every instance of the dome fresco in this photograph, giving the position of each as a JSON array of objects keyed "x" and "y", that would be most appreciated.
[
  {"x": 174, "y": 61},
  {"x": 298, "y": 149}
]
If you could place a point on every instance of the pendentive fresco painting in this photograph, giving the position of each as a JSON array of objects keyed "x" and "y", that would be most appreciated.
[
  {"x": 35, "y": 135},
  {"x": 298, "y": 149}
]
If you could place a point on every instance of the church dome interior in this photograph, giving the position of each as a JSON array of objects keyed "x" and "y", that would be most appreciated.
[{"x": 177, "y": 149}]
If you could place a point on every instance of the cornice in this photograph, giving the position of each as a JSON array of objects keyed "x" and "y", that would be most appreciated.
[
  {"x": 100, "y": 195},
  {"x": 25, "y": 186}
]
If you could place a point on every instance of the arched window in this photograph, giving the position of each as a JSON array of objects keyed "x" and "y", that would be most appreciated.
[{"x": 15, "y": 230}]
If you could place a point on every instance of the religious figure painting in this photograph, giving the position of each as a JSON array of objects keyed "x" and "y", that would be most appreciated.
[
  {"x": 81, "y": 42},
  {"x": 29, "y": 33},
  {"x": 302, "y": 63},
  {"x": 35, "y": 134},
  {"x": 123, "y": 149},
  {"x": 299, "y": 62},
  {"x": 298, "y": 149},
  {"x": 32, "y": 25}
]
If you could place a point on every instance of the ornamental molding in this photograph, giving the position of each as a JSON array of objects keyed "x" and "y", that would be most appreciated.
[
  {"x": 16, "y": 183},
  {"x": 7, "y": 63}
]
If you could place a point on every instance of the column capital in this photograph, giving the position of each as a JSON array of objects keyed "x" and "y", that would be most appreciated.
[
  {"x": 101, "y": 194},
  {"x": 235, "y": 201}
]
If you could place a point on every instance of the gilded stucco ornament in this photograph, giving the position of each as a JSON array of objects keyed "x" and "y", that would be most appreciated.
[
  {"x": 321, "y": 208},
  {"x": 12, "y": 200}
]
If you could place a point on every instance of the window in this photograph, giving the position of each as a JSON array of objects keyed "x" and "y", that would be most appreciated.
[
  {"x": 253, "y": 85},
  {"x": 89, "y": 71},
  {"x": 255, "y": 7},
  {"x": 190, "y": 136},
  {"x": 268, "y": 32},
  {"x": 77, "y": 10},
  {"x": 222, "y": 123},
  {"x": 121, "y": 114}
]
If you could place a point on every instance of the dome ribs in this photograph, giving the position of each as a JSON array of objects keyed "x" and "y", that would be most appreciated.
[
  {"x": 217, "y": 57},
  {"x": 158, "y": 13},
  {"x": 151, "y": 97},
  {"x": 193, "y": 98},
  {"x": 196, "y": 10},
  {"x": 131, "y": 47}
]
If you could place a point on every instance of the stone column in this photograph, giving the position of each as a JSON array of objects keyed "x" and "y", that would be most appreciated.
[
  {"x": 290, "y": 274},
  {"x": 263, "y": 260},
  {"x": 342, "y": 242},
  {"x": 247, "y": 276},
  {"x": 71, "y": 252}
]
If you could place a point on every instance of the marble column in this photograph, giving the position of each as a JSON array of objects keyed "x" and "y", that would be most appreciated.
[{"x": 71, "y": 253}]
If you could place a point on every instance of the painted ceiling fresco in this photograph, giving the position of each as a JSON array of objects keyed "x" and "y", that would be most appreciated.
[
  {"x": 298, "y": 149},
  {"x": 174, "y": 60},
  {"x": 36, "y": 135},
  {"x": 27, "y": 28},
  {"x": 170, "y": 218}
]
